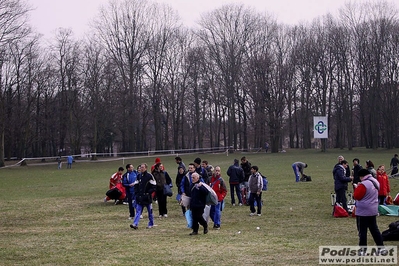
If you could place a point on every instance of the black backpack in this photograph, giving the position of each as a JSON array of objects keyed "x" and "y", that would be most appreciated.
[
  {"x": 392, "y": 234},
  {"x": 114, "y": 193}
]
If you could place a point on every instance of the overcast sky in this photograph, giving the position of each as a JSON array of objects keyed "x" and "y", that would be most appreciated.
[{"x": 76, "y": 14}]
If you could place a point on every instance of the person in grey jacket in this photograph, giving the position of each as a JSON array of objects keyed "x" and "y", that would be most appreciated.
[
  {"x": 298, "y": 169},
  {"x": 255, "y": 183}
]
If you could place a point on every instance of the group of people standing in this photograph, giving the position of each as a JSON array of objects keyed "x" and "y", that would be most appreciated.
[
  {"x": 343, "y": 175},
  {"x": 143, "y": 187},
  {"x": 370, "y": 188}
]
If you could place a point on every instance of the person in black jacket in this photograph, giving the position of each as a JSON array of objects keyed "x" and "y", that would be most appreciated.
[
  {"x": 355, "y": 170},
  {"x": 236, "y": 176},
  {"x": 246, "y": 166},
  {"x": 197, "y": 204},
  {"x": 341, "y": 183},
  {"x": 181, "y": 173},
  {"x": 144, "y": 186}
]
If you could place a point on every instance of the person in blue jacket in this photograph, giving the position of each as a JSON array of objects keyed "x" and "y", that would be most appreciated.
[
  {"x": 341, "y": 183},
  {"x": 128, "y": 180}
]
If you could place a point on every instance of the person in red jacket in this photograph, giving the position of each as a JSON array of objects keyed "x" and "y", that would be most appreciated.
[
  {"x": 157, "y": 161},
  {"x": 219, "y": 186},
  {"x": 382, "y": 178},
  {"x": 116, "y": 182}
]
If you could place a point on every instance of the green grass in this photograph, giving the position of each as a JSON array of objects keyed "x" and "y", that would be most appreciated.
[{"x": 57, "y": 217}]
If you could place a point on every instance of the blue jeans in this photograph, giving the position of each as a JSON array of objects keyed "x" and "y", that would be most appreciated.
[
  {"x": 258, "y": 198},
  {"x": 139, "y": 211},
  {"x": 216, "y": 213},
  {"x": 296, "y": 172},
  {"x": 132, "y": 204},
  {"x": 238, "y": 192}
]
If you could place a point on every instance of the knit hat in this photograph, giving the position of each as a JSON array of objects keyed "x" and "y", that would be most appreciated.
[
  {"x": 197, "y": 160},
  {"x": 157, "y": 160},
  {"x": 363, "y": 172}
]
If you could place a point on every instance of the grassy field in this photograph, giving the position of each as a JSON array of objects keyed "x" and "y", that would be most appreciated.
[{"x": 58, "y": 217}]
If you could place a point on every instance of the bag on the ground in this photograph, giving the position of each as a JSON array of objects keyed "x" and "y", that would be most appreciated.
[
  {"x": 189, "y": 218},
  {"x": 167, "y": 190},
  {"x": 392, "y": 234},
  {"x": 244, "y": 195},
  {"x": 144, "y": 198},
  {"x": 396, "y": 199},
  {"x": 211, "y": 198},
  {"x": 339, "y": 211},
  {"x": 114, "y": 193},
  {"x": 306, "y": 178},
  {"x": 389, "y": 200}
]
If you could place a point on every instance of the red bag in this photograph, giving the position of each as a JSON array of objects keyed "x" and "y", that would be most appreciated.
[
  {"x": 339, "y": 211},
  {"x": 396, "y": 200}
]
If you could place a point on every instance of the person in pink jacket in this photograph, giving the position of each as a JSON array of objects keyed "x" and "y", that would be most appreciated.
[{"x": 382, "y": 178}]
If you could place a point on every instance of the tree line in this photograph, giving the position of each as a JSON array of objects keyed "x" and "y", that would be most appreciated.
[{"x": 141, "y": 80}]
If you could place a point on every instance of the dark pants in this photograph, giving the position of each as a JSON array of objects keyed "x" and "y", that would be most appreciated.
[
  {"x": 238, "y": 192},
  {"x": 341, "y": 198},
  {"x": 381, "y": 200},
  {"x": 161, "y": 202},
  {"x": 258, "y": 198},
  {"x": 368, "y": 222},
  {"x": 394, "y": 170},
  {"x": 198, "y": 219},
  {"x": 130, "y": 198}
]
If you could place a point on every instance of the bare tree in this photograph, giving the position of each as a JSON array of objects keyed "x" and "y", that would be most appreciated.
[
  {"x": 225, "y": 33},
  {"x": 13, "y": 27}
]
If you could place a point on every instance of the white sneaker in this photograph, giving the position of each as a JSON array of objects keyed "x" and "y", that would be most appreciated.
[
  {"x": 131, "y": 218},
  {"x": 165, "y": 215},
  {"x": 160, "y": 216},
  {"x": 252, "y": 214},
  {"x": 240, "y": 204},
  {"x": 259, "y": 214},
  {"x": 234, "y": 204},
  {"x": 141, "y": 216},
  {"x": 105, "y": 199}
]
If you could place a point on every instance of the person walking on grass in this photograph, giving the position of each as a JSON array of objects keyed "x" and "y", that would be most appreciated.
[
  {"x": 162, "y": 178},
  {"x": 144, "y": 186},
  {"x": 219, "y": 186},
  {"x": 255, "y": 184},
  {"x": 128, "y": 181},
  {"x": 197, "y": 204}
]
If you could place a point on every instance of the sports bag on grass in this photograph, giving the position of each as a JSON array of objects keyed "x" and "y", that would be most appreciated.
[
  {"x": 339, "y": 211},
  {"x": 114, "y": 193},
  {"x": 392, "y": 234}
]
